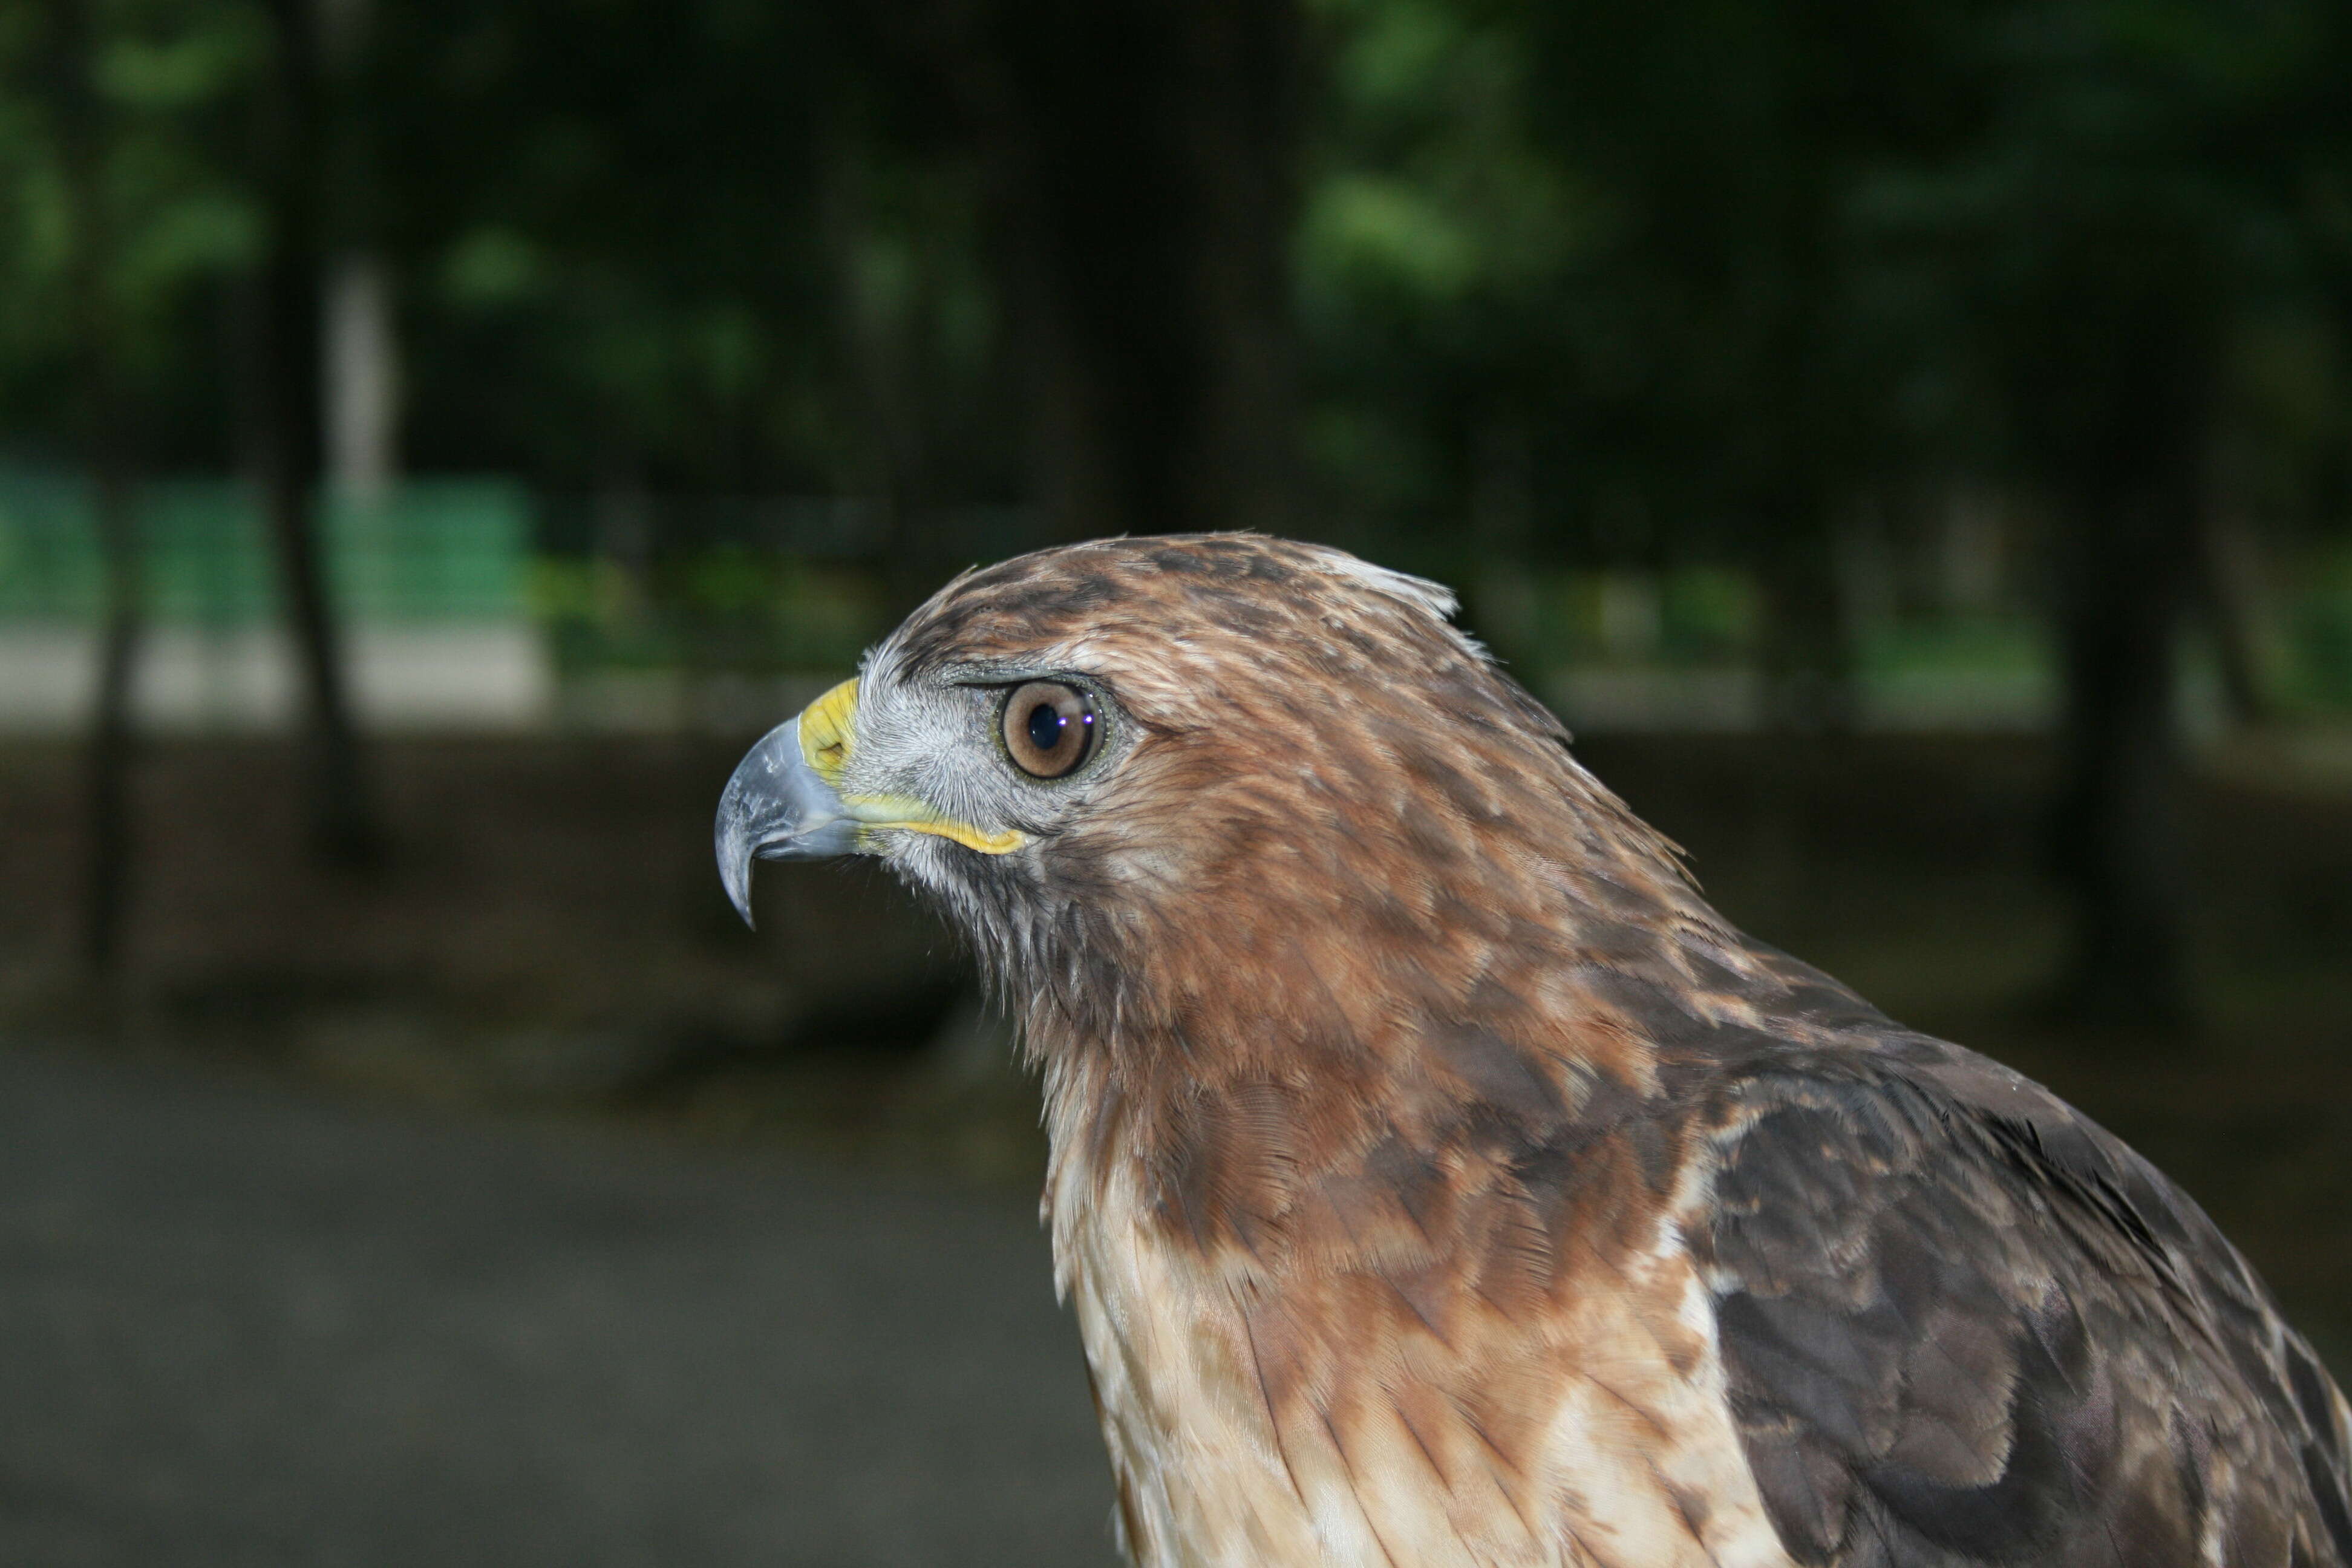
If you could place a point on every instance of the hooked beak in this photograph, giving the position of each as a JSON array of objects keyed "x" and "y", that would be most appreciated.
[
  {"x": 777, "y": 807},
  {"x": 782, "y": 802}
]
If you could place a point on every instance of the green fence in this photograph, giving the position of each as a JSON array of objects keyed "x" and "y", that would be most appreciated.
[
  {"x": 435, "y": 551},
  {"x": 779, "y": 586}
]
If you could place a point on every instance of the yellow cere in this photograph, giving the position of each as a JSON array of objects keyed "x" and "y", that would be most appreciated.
[
  {"x": 824, "y": 731},
  {"x": 826, "y": 725}
]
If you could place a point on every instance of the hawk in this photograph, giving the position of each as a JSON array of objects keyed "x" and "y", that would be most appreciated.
[{"x": 1436, "y": 1179}]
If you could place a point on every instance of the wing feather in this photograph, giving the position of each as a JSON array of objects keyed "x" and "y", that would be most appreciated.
[{"x": 1962, "y": 1324}]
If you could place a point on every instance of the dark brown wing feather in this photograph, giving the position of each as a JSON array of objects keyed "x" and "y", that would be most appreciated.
[{"x": 1964, "y": 1325}]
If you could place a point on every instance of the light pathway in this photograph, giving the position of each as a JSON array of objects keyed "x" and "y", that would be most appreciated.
[{"x": 241, "y": 1326}]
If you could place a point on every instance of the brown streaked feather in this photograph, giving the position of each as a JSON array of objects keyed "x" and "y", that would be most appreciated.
[{"x": 1437, "y": 1179}]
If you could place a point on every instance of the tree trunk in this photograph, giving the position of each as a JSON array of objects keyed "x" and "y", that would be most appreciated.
[
  {"x": 1807, "y": 654},
  {"x": 885, "y": 366},
  {"x": 362, "y": 368},
  {"x": 287, "y": 435},
  {"x": 1139, "y": 158},
  {"x": 2119, "y": 819},
  {"x": 2231, "y": 591},
  {"x": 360, "y": 383},
  {"x": 1808, "y": 651},
  {"x": 107, "y": 794},
  {"x": 2133, "y": 491},
  {"x": 106, "y": 892}
]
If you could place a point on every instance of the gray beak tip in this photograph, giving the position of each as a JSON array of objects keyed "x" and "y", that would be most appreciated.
[
  {"x": 745, "y": 818},
  {"x": 734, "y": 861},
  {"x": 739, "y": 892}
]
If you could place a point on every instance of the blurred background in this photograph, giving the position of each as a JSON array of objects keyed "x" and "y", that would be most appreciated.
[{"x": 1910, "y": 443}]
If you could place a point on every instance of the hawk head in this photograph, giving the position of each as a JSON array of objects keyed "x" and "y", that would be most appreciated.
[{"x": 1138, "y": 774}]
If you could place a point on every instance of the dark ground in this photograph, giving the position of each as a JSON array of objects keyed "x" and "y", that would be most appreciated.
[
  {"x": 242, "y": 1325},
  {"x": 516, "y": 1205}
]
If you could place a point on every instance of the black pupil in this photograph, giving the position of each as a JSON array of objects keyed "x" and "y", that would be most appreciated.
[{"x": 1044, "y": 727}]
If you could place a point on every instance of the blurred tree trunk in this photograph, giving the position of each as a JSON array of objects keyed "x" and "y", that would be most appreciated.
[
  {"x": 287, "y": 435},
  {"x": 112, "y": 743},
  {"x": 2119, "y": 819},
  {"x": 106, "y": 891},
  {"x": 882, "y": 367},
  {"x": 361, "y": 341},
  {"x": 2126, "y": 428},
  {"x": 1807, "y": 654},
  {"x": 2232, "y": 590},
  {"x": 1140, "y": 158},
  {"x": 361, "y": 352}
]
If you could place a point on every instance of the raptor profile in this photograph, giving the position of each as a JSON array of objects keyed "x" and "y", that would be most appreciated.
[{"x": 1438, "y": 1180}]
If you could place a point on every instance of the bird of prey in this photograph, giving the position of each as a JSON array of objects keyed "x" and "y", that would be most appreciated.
[{"x": 1437, "y": 1179}]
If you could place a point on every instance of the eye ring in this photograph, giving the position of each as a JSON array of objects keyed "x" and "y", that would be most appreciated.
[{"x": 1050, "y": 727}]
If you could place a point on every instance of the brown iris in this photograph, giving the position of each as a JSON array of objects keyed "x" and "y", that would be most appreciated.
[{"x": 1049, "y": 728}]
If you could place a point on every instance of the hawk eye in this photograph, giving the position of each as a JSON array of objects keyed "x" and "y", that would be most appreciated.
[{"x": 1049, "y": 728}]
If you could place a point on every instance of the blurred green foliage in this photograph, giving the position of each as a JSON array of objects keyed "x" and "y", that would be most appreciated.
[
  {"x": 1576, "y": 288},
  {"x": 2322, "y": 636},
  {"x": 725, "y": 608},
  {"x": 149, "y": 92}
]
